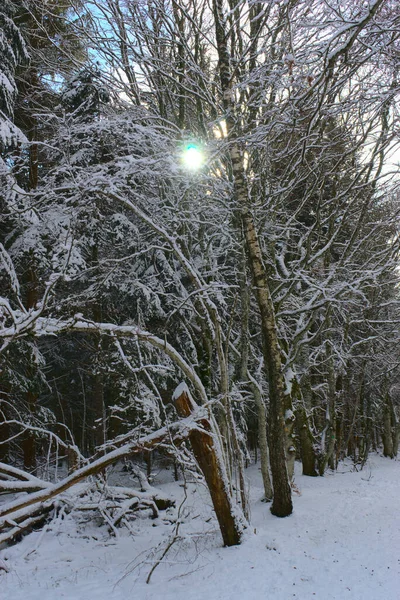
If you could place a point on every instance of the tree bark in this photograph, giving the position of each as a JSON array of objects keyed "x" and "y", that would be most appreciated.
[
  {"x": 307, "y": 451},
  {"x": 4, "y": 427},
  {"x": 328, "y": 439},
  {"x": 208, "y": 456},
  {"x": 279, "y": 401},
  {"x": 32, "y": 298},
  {"x": 263, "y": 441},
  {"x": 28, "y": 442},
  {"x": 390, "y": 429}
]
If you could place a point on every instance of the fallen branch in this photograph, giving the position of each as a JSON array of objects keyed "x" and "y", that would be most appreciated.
[
  {"x": 13, "y": 480},
  {"x": 175, "y": 432},
  {"x": 116, "y": 504},
  {"x": 22, "y": 523},
  {"x": 195, "y": 425},
  {"x": 174, "y": 538},
  {"x": 13, "y": 487}
]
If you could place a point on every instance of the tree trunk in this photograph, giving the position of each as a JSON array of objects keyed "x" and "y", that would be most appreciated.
[
  {"x": 308, "y": 446},
  {"x": 330, "y": 451},
  {"x": 263, "y": 441},
  {"x": 28, "y": 443},
  {"x": 97, "y": 400},
  {"x": 387, "y": 433},
  {"x": 279, "y": 402},
  {"x": 4, "y": 427},
  {"x": 72, "y": 460},
  {"x": 282, "y": 503},
  {"x": 328, "y": 439},
  {"x": 208, "y": 458},
  {"x": 32, "y": 298},
  {"x": 307, "y": 449}
]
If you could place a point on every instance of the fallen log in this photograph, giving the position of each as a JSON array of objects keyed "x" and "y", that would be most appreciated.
[
  {"x": 23, "y": 523},
  {"x": 14, "y": 487}
]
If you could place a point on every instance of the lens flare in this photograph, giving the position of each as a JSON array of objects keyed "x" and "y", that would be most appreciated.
[{"x": 193, "y": 157}]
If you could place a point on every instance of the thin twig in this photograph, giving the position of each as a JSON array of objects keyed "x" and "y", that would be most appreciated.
[{"x": 175, "y": 537}]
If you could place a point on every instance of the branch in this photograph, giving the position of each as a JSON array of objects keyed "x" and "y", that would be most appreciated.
[{"x": 176, "y": 431}]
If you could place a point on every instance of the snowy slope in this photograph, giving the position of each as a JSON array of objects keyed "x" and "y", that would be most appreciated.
[{"x": 343, "y": 541}]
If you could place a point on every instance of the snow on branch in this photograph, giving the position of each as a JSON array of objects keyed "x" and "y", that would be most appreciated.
[{"x": 176, "y": 431}]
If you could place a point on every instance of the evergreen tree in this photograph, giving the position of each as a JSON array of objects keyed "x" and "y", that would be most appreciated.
[
  {"x": 83, "y": 96},
  {"x": 13, "y": 52},
  {"x": 56, "y": 47}
]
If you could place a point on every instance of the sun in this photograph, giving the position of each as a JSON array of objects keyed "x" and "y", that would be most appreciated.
[{"x": 193, "y": 157}]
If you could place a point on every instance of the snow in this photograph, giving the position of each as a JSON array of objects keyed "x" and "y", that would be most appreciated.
[
  {"x": 181, "y": 389},
  {"x": 289, "y": 415},
  {"x": 289, "y": 377},
  {"x": 342, "y": 541}
]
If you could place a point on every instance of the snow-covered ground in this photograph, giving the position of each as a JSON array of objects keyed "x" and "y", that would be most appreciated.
[{"x": 343, "y": 541}]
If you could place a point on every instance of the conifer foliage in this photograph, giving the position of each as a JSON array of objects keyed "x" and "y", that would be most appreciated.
[{"x": 13, "y": 52}]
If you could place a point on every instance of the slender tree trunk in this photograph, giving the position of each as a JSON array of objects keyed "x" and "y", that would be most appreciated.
[
  {"x": 328, "y": 440},
  {"x": 243, "y": 376},
  {"x": 365, "y": 440},
  {"x": 28, "y": 443},
  {"x": 308, "y": 446},
  {"x": 339, "y": 436},
  {"x": 263, "y": 442},
  {"x": 4, "y": 427},
  {"x": 180, "y": 23},
  {"x": 331, "y": 443},
  {"x": 33, "y": 163},
  {"x": 307, "y": 442},
  {"x": 99, "y": 431},
  {"x": 352, "y": 410},
  {"x": 97, "y": 403},
  {"x": 290, "y": 419},
  {"x": 124, "y": 46},
  {"x": 279, "y": 401},
  {"x": 244, "y": 321},
  {"x": 388, "y": 429}
]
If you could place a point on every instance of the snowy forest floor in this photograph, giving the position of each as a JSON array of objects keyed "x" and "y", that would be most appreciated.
[{"x": 342, "y": 541}]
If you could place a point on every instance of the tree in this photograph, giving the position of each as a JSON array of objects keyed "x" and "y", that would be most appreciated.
[
  {"x": 13, "y": 52},
  {"x": 56, "y": 49}
]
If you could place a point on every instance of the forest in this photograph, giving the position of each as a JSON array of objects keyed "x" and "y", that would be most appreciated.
[{"x": 199, "y": 252}]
